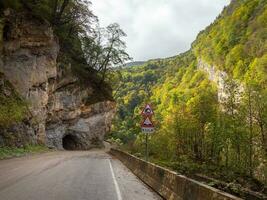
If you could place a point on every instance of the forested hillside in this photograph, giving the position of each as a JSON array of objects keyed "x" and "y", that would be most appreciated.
[{"x": 196, "y": 132}]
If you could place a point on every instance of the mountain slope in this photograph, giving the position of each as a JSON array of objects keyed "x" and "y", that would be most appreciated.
[
  {"x": 219, "y": 127},
  {"x": 236, "y": 38}
]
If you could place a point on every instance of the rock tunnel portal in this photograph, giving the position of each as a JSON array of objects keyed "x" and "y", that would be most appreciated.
[{"x": 71, "y": 142}]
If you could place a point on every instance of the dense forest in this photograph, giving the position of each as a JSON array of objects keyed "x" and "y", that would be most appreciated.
[{"x": 201, "y": 131}]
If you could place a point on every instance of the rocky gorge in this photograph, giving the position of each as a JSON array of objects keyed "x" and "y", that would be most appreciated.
[{"x": 58, "y": 113}]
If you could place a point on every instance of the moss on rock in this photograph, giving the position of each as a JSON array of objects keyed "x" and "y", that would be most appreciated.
[{"x": 12, "y": 108}]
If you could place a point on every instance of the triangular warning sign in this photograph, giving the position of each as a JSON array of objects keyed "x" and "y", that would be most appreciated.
[
  {"x": 147, "y": 111},
  {"x": 147, "y": 123}
]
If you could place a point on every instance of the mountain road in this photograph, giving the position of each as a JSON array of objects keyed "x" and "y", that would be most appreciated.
[{"x": 70, "y": 175}]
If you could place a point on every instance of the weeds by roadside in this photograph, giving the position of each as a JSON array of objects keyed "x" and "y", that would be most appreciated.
[{"x": 9, "y": 152}]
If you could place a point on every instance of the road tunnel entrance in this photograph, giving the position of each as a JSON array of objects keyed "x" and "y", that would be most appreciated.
[{"x": 71, "y": 142}]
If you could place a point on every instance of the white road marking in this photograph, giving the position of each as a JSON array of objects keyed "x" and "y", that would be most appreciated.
[{"x": 115, "y": 181}]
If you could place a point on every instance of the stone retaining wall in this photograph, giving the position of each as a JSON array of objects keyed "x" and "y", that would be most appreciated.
[{"x": 169, "y": 184}]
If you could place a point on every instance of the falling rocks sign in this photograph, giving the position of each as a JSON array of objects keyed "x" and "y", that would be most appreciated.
[{"x": 147, "y": 125}]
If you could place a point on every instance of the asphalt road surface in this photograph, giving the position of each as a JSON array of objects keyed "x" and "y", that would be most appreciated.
[{"x": 70, "y": 175}]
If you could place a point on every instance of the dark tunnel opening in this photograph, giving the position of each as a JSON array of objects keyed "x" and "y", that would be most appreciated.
[{"x": 70, "y": 143}]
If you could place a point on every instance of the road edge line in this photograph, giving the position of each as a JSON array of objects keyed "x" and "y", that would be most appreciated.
[{"x": 115, "y": 181}]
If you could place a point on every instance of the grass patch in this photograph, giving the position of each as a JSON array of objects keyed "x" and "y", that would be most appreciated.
[{"x": 9, "y": 152}]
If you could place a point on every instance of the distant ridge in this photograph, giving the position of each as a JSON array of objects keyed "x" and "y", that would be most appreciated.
[{"x": 134, "y": 63}]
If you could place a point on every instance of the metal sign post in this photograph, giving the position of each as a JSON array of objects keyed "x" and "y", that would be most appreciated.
[
  {"x": 147, "y": 125},
  {"x": 146, "y": 146}
]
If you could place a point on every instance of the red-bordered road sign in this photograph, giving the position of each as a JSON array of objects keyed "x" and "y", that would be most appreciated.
[
  {"x": 147, "y": 111},
  {"x": 147, "y": 123}
]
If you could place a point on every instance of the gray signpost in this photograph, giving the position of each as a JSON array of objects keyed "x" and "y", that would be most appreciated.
[{"x": 147, "y": 126}]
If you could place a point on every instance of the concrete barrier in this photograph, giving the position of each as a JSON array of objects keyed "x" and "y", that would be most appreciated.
[{"x": 169, "y": 184}]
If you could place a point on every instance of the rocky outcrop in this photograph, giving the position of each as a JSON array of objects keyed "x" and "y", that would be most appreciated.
[
  {"x": 55, "y": 98},
  {"x": 214, "y": 75},
  {"x": 219, "y": 77}
]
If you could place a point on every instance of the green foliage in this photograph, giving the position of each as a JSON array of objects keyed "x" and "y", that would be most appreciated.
[
  {"x": 235, "y": 38},
  {"x": 8, "y": 152},
  {"x": 195, "y": 130},
  {"x": 12, "y": 107},
  {"x": 15, "y": 4}
]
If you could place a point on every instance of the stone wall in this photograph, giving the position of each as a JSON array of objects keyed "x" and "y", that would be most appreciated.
[
  {"x": 55, "y": 98},
  {"x": 169, "y": 184}
]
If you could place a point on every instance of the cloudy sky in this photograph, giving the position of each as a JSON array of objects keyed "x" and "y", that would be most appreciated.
[{"x": 158, "y": 28}]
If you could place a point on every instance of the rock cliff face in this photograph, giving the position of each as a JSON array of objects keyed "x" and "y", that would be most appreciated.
[
  {"x": 219, "y": 77},
  {"x": 58, "y": 115}
]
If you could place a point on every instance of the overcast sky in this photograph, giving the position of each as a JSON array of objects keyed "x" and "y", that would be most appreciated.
[{"x": 158, "y": 28}]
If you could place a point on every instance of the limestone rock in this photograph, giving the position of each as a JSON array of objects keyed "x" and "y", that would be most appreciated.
[
  {"x": 218, "y": 77},
  {"x": 57, "y": 102}
]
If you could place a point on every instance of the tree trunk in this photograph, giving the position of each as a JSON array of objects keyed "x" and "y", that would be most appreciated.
[
  {"x": 263, "y": 136},
  {"x": 250, "y": 136}
]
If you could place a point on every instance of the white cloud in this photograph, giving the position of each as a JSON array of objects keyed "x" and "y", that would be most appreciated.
[{"x": 158, "y": 28}]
